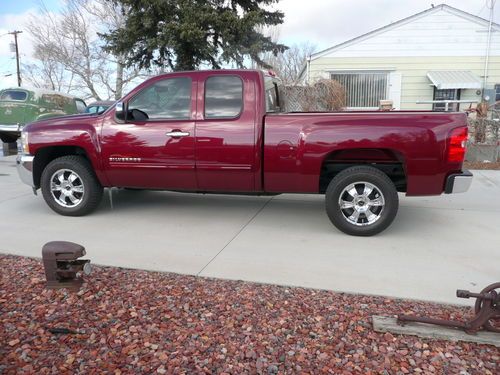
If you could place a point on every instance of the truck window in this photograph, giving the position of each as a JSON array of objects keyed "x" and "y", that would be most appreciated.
[
  {"x": 14, "y": 95},
  {"x": 272, "y": 95},
  {"x": 223, "y": 97},
  {"x": 169, "y": 99},
  {"x": 80, "y": 105}
]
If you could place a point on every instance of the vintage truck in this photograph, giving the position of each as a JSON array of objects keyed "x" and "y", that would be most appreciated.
[
  {"x": 226, "y": 132},
  {"x": 19, "y": 106}
]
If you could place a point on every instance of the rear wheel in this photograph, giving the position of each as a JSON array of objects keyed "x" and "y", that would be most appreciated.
[
  {"x": 361, "y": 201},
  {"x": 70, "y": 187}
]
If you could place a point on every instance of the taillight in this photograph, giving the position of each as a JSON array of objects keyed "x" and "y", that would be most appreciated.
[{"x": 457, "y": 145}]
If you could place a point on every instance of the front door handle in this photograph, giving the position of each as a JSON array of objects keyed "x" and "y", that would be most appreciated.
[{"x": 177, "y": 133}]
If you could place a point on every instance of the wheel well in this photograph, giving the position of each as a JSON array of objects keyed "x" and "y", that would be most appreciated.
[
  {"x": 390, "y": 162},
  {"x": 45, "y": 155}
]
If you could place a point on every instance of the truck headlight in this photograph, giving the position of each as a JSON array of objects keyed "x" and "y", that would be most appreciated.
[{"x": 25, "y": 148}]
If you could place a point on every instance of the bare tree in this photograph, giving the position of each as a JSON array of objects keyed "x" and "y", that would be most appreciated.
[
  {"x": 289, "y": 63},
  {"x": 71, "y": 39},
  {"x": 48, "y": 73}
]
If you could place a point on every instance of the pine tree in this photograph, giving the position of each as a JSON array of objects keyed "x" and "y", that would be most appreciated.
[{"x": 185, "y": 34}]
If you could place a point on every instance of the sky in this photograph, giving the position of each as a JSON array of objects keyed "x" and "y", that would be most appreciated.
[{"x": 322, "y": 22}]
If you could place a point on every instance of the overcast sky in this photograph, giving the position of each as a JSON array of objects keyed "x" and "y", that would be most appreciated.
[{"x": 322, "y": 22}]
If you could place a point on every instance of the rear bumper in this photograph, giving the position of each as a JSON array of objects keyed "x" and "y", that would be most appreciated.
[
  {"x": 25, "y": 168},
  {"x": 458, "y": 182}
]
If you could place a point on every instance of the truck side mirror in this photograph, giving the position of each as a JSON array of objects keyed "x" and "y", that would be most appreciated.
[{"x": 120, "y": 111}]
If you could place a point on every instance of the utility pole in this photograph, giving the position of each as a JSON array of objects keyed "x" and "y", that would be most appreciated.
[{"x": 15, "y": 32}]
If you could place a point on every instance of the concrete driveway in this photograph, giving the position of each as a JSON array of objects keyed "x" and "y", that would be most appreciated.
[{"x": 435, "y": 246}]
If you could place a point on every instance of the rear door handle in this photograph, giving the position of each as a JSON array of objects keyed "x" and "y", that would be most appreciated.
[{"x": 177, "y": 133}]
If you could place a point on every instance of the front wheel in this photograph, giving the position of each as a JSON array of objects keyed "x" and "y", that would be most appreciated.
[
  {"x": 70, "y": 187},
  {"x": 361, "y": 201}
]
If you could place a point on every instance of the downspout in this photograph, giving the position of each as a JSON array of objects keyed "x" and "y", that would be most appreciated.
[{"x": 488, "y": 46}]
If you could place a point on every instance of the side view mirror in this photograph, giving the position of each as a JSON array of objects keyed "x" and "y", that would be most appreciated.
[{"x": 120, "y": 111}]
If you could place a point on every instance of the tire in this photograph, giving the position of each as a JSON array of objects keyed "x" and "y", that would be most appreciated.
[
  {"x": 362, "y": 214},
  {"x": 70, "y": 187},
  {"x": 8, "y": 138}
]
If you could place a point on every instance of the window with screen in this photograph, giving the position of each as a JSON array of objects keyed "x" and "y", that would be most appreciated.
[
  {"x": 363, "y": 89},
  {"x": 223, "y": 97},
  {"x": 166, "y": 99},
  {"x": 14, "y": 95}
]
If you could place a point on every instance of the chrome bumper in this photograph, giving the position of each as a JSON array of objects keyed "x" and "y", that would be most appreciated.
[
  {"x": 13, "y": 128},
  {"x": 25, "y": 169},
  {"x": 458, "y": 182}
]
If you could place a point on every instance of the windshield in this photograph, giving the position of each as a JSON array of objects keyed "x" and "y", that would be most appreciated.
[{"x": 15, "y": 95}]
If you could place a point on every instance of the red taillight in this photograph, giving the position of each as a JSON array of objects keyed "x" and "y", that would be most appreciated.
[{"x": 457, "y": 145}]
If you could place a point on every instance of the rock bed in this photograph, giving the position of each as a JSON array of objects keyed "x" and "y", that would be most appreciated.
[{"x": 129, "y": 321}]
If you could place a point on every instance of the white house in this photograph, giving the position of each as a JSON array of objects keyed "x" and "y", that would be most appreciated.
[{"x": 442, "y": 53}]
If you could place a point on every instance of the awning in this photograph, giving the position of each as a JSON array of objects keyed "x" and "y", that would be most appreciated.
[{"x": 454, "y": 79}]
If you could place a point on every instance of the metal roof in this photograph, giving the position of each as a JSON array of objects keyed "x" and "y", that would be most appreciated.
[{"x": 454, "y": 79}]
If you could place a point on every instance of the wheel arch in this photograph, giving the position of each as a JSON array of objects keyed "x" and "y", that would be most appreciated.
[
  {"x": 389, "y": 161},
  {"x": 45, "y": 155}
]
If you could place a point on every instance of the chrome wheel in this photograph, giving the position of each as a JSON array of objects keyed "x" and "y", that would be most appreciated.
[
  {"x": 67, "y": 188},
  {"x": 361, "y": 203}
]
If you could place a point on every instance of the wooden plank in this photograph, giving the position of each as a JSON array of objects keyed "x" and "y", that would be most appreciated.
[{"x": 430, "y": 331}]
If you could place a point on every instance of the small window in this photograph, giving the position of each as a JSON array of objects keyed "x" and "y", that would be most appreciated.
[
  {"x": 223, "y": 97},
  {"x": 167, "y": 99},
  {"x": 497, "y": 92},
  {"x": 272, "y": 96},
  {"x": 14, "y": 95},
  {"x": 446, "y": 94},
  {"x": 80, "y": 106}
]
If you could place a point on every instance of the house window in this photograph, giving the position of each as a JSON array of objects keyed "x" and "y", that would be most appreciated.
[
  {"x": 363, "y": 89},
  {"x": 448, "y": 94},
  {"x": 497, "y": 92}
]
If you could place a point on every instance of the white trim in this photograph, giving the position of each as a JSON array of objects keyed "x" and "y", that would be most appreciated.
[
  {"x": 360, "y": 70},
  {"x": 404, "y": 21}
]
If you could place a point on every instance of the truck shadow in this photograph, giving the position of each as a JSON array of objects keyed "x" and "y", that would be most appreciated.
[{"x": 284, "y": 212}]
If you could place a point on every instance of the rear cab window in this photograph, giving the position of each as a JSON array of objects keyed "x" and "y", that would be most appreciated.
[
  {"x": 14, "y": 95},
  {"x": 223, "y": 97},
  {"x": 80, "y": 106}
]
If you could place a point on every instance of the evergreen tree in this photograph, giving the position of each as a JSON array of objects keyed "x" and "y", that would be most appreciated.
[{"x": 183, "y": 34}]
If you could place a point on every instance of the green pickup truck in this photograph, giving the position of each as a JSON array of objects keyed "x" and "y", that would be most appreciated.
[{"x": 19, "y": 106}]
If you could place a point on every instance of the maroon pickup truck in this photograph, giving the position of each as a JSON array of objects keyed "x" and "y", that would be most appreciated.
[{"x": 226, "y": 132}]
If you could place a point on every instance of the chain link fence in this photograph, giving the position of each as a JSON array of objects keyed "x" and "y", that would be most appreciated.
[{"x": 324, "y": 96}]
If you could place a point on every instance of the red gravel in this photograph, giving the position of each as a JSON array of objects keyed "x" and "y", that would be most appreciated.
[
  {"x": 132, "y": 321},
  {"x": 482, "y": 165}
]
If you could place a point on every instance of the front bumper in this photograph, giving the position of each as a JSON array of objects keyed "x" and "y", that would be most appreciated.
[
  {"x": 25, "y": 169},
  {"x": 458, "y": 182},
  {"x": 12, "y": 128}
]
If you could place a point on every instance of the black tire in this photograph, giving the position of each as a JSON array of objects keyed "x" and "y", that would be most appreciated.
[
  {"x": 8, "y": 138},
  {"x": 88, "y": 199},
  {"x": 376, "y": 217}
]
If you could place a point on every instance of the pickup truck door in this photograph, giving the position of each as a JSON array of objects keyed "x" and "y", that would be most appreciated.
[
  {"x": 226, "y": 154},
  {"x": 154, "y": 147}
]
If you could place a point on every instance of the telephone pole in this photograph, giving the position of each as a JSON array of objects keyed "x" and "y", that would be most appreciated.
[{"x": 15, "y": 32}]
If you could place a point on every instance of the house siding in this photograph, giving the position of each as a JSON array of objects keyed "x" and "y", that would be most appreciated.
[{"x": 442, "y": 39}]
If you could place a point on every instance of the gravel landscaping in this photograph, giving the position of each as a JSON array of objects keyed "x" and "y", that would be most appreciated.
[{"x": 129, "y": 321}]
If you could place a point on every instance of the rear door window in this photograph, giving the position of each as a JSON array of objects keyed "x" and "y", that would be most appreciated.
[
  {"x": 223, "y": 97},
  {"x": 15, "y": 95}
]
